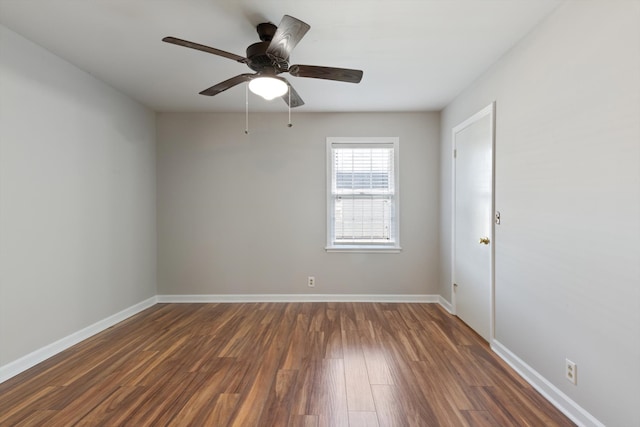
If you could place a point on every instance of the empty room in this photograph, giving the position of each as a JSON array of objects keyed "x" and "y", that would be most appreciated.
[{"x": 320, "y": 213}]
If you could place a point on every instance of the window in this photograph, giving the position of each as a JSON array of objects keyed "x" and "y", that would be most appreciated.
[{"x": 362, "y": 192}]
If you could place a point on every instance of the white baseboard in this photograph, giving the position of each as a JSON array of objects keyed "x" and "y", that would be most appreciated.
[
  {"x": 243, "y": 298},
  {"x": 22, "y": 364},
  {"x": 564, "y": 403},
  {"x": 445, "y": 304}
]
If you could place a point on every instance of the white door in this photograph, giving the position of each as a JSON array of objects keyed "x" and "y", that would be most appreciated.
[{"x": 473, "y": 222}]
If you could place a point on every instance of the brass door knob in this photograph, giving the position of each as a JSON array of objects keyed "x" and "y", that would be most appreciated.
[{"x": 484, "y": 240}]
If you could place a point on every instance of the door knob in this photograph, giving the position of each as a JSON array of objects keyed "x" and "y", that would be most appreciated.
[{"x": 484, "y": 240}]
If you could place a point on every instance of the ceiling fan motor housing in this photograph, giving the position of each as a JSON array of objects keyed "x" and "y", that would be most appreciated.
[{"x": 258, "y": 59}]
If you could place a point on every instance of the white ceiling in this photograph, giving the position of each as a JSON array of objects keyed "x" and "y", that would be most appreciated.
[{"x": 416, "y": 55}]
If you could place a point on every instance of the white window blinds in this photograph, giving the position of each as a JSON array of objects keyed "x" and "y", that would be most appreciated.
[{"x": 362, "y": 196}]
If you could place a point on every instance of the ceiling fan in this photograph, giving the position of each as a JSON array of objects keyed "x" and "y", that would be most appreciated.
[{"x": 269, "y": 58}]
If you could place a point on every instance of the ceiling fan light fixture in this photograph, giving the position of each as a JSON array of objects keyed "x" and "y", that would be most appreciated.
[{"x": 268, "y": 87}]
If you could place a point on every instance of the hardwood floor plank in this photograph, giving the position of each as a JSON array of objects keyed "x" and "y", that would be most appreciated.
[
  {"x": 388, "y": 406},
  {"x": 317, "y": 317},
  {"x": 299, "y": 340},
  {"x": 372, "y": 347},
  {"x": 240, "y": 375},
  {"x": 223, "y": 410},
  {"x": 358, "y": 388},
  {"x": 471, "y": 377},
  {"x": 278, "y": 364},
  {"x": 363, "y": 419},
  {"x": 15, "y": 410},
  {"x": 158, "y": 359},
  {"x": 500, "y": 401},
  {"x": 113, "y": 404},
  {"x": 332, "y": 333},
  {"x": 409, "y": 316},
  {"x": 271, "y": 350},
  {"x": 35, "y": 419},
  {"x": 278, "y": 409},
  {"x": 480, "y": 419},
  {"x": 377, "y": 367},
  {"x": 417, "y": 410},
  {"x": 445, "y": 396},
  {"x": 307, "y": 379},
  {"x": 159, "y": 401},
  {"x": 304, "y": 421},
  {"x": 329, "y": 397},
  {"x": 204, "y": 395},
  {"x": 81, "y": 405}
]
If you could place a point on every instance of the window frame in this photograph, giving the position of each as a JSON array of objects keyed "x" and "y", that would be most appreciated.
[{"x": 376, "y": 247}]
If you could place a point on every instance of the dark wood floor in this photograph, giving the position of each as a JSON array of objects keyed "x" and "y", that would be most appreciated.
[{"x": 278, "y": 364}]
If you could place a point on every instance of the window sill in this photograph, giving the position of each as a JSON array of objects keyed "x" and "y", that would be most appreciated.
[{"x": 364, "y": 249}]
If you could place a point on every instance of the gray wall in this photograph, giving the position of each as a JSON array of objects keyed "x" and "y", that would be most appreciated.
[
  {"x": 77, "y": 199},
  {"x": 568, "y": 187},
  {"x": 246, "y": 214}
]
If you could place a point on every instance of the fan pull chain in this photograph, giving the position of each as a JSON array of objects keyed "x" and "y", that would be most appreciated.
[
  {"x": 246, "y": 109},
  {"x": 289, "y": 105}
]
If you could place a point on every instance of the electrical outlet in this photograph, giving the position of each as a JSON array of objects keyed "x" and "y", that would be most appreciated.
[
  {"x": 311, "y": 282},
  {"x": 571, "y": 371}
]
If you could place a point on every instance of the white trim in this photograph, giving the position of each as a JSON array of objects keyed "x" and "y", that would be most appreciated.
[
  {"x": 244, "y": 298},
  {"x": 392, "y": 142},
  {"x": 365, "y": 249},
  {"x": 555, "y": 396},
  {"x": 25, "y": 362},
  {"x": 445, "y": 304},
  {"x": 489, "y": 110}
]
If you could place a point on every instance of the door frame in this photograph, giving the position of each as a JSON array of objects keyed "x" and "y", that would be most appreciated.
[{"x": 489, "y": 110}]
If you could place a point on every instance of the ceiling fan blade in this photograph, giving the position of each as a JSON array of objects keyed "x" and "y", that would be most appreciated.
[
  {"x": 203, "y": 48},
  {"x": 328, "y": 73},
  {"x": 296, "y": 101},
  {"x": 227, "y": 84},
  {"x": 289, "y": 33}
]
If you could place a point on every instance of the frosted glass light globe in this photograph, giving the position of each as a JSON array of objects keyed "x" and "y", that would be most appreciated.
[{"x": 268, "y": 87}]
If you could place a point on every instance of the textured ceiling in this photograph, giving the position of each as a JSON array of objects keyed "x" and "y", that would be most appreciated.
[{"x": 416, "y": 55}]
